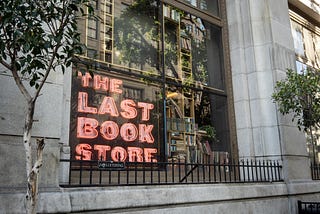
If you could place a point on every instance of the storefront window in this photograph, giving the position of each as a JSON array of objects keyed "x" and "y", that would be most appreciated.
[{"x": 157, "y": 99}]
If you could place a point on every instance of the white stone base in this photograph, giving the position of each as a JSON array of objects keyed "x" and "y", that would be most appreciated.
[{"x": 209, "y": 198}]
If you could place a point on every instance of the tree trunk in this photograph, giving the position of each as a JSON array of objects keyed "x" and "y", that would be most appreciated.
[
  {"x": 313, "y": 147},
  {"x": 32, "y": 170}
]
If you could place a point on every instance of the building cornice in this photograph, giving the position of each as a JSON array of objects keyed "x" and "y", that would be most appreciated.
[{"x": 305, "y": 11}]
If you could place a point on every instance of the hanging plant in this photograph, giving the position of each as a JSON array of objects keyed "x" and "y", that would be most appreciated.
[{"x": 210, "y": 132}]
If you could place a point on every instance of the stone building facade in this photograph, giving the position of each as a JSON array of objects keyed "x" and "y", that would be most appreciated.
[{"x": 165, "y": 72}]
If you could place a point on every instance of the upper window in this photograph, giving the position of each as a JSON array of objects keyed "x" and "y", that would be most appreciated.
[
  {"x": 92, "y": 28},
  {"x": 306, "y": 41},
  {"x": 297, "y": 32}
]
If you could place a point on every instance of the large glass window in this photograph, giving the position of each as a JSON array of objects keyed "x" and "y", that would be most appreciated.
[
  {"x": 306, "y": 42},
  {"x": 193, "y": 62},
  {"x": 169, "y": 99}
]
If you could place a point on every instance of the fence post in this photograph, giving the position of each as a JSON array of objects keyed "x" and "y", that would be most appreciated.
[{"x": 299, "y": 207}]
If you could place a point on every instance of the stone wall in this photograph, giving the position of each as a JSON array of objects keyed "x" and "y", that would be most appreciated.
[
  {"x": 261, "y": 49},
  {"x": 219, "y": 198},
  {"x": 48, "y": 124}
]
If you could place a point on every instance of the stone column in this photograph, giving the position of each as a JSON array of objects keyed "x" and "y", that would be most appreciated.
[
  {"x": 64, "y": 167},
  {"x": 261, "y": 49}
]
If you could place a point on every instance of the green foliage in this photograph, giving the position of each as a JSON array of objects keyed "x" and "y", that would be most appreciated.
[
  {"x": 210, "y": 131},
  {"x": 299, "y": 94},
  {"x": 136, "y": 34},
  {"x": 39, "y": 35}
]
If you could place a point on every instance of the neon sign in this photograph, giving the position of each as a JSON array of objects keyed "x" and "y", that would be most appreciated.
[{"x": 111, "y": 128}]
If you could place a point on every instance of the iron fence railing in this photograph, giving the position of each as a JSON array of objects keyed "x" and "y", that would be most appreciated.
[
  {"x": 308, "y": 207},
  {"x": 315, "y": 171},
  {"x": 103, "y": 173}
]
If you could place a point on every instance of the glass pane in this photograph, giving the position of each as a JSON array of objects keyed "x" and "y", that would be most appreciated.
[
  {"x": 297, "y": 38},
  {"x": 171, "y": 44},
  {"x": 92, "y": 28},
  {"x": 211, "y": 117},
  {"x": 317, "y": 47},
  {"x": 193, "y": 50},
  {"x": 196, "y": 124},
  {"x": 136, "y": 35},
  {"x": 206, "y": 55},
  {"x": 210, "y": 6},
  {"x": 301, "y": 67},
  {"x": 309, "y": 45}
]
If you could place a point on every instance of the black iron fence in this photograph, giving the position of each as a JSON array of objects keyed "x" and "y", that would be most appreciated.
[
  {"x": 308, "y": 207},
  {"x": 315, "y": 171},
  {"x": 102, "y": 173}
]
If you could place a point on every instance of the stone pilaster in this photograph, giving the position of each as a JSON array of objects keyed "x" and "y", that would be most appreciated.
[{"x": 261, "y": 49}]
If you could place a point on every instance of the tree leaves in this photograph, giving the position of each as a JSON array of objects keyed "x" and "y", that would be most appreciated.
[
  {"x": 37, "y": 37},
  {"x": 299, "y": 94},
  {"x": 34, "y": 33}
]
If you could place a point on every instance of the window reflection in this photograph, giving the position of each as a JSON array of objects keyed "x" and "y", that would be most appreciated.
[
  {"x": 129, "y": 35},
  {"x": 306, "y": 44},
  {"x": 210, "y": 6},
  {"x": 189, "y": 44},
  {"x": 195, "y": 120},
  {"x": 136, "y": 34}
]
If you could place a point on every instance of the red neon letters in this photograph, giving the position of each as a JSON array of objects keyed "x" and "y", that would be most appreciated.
[
  {"x": 108, "y": 106},
  {"x": 86, "y": 128},
  {"x": 84, "y": 151},
  {"x": 101, "y": 83},
  {"x": 83, "y": 104},
  {"x": 109, "y": 130}
]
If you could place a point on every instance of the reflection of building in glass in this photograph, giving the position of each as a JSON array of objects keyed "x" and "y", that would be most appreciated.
[
  {"x": 210, "y": 6},
  {"x": 189, "y": 41},
  {"x": 306, "y": 42}
]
